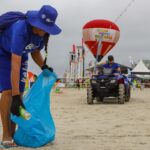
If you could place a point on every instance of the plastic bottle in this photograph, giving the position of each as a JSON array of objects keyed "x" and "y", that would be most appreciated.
[{"x": 24, "y": 114}]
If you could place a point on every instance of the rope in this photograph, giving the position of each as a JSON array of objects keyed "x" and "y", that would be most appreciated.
[{"x": 124, "y": 10}]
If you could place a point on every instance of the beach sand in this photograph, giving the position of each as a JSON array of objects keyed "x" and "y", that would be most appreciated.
[{"x": 108, "y": 126}]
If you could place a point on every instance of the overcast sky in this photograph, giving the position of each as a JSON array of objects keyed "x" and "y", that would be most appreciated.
[{"x": 73, "y": 14}]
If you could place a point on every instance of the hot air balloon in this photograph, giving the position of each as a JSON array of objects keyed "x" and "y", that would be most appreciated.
[{"x": 100, "y": 36}]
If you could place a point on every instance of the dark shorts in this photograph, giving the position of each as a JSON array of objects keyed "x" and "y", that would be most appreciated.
[{"x": 5, "y": 72}]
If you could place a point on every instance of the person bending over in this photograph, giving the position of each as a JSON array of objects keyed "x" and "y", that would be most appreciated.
[{"x": 24, "y": 36}]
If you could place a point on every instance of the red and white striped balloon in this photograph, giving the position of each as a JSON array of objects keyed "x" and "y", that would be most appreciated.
[{"x": 106, "y": 30}]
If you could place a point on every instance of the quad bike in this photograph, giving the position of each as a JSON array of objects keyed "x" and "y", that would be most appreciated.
[{"x": 106, "y": 84}]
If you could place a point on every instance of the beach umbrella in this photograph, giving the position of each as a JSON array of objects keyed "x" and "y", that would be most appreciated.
[{"x": 100, "y": 36}]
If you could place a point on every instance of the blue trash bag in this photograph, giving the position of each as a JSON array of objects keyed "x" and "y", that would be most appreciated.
[{"x": 39, "y": 129}]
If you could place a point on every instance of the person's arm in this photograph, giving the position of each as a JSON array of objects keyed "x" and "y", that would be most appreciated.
[
  {"x": 102, "y": 63},
  {"x": 15, "y": 83},
  {"x": 37, "y": 57},
  {"x": 15, "y": 73}
]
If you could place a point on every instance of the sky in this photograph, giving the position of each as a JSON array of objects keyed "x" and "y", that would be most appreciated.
[{"x": 134, "y": 27}]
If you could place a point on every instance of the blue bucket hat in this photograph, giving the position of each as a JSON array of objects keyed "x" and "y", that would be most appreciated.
[{"x": 44, "y": 19}]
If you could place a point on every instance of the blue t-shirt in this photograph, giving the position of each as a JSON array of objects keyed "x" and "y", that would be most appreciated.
[
  {"x": 19, "y": 39},
  {"x": 113, "y": 66}
]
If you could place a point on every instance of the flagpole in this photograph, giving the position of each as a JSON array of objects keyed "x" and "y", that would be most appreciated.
[{"x": 83, "y": 56}]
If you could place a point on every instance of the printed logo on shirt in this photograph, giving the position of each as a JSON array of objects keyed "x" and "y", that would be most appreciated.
[
  {"x": 30, "y": 46},
  {"x": 24, "y": 77},
  {"x": 24, "y": 71}
]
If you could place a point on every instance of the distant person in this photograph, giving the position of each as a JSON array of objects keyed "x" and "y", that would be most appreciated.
[
  {"x": 134, "y": 84},
  {"x": 142, "y": 86},
  {"x": 81, "y": 82},
  {"x": 28, "y": 35},
  {"x": 78, "y": 84}
]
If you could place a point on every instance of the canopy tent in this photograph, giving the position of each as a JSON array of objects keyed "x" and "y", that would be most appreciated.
[{"x": 141, "y": 70}]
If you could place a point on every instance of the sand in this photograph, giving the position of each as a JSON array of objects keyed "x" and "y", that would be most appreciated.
[{"x": 108, "y": 126}]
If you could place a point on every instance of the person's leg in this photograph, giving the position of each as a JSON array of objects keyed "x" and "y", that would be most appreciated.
[
  {"x": 13, "y": 128},
  {"x": 8, "y": 126}
]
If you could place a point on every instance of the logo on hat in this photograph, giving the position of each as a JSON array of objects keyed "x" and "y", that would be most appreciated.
[{"x": 48, "y": 20}]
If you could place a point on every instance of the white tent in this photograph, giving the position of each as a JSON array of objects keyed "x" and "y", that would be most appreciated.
[{"x": 141, "y": 70}]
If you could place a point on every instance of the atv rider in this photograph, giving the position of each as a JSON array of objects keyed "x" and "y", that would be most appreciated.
[{"x": 110, "y": 64}]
